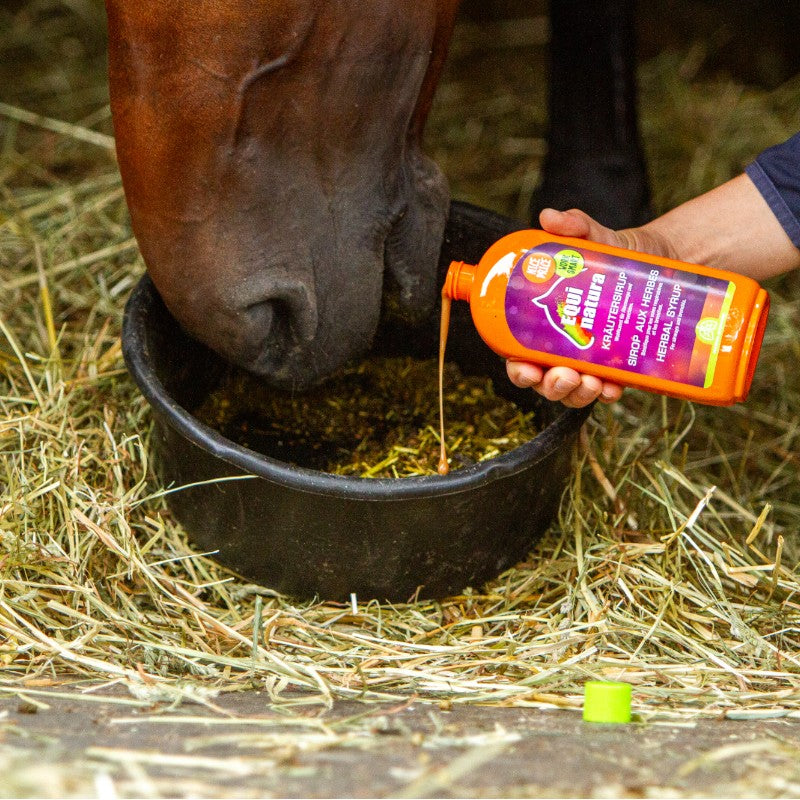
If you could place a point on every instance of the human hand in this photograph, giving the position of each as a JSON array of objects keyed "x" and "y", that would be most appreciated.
[
  {"x": 572, "y": 388},
  {"x": 731, "y": 227}
]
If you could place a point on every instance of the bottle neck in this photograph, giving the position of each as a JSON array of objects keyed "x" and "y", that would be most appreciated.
[{"x": 458, "y": 283}]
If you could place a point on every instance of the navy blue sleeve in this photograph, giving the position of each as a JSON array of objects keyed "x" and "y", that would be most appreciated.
[{"x": 776, "y": 174}]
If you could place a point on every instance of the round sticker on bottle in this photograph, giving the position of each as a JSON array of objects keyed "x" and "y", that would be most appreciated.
[
  {"x": 706, "y": 330},
  {"x": 569, "y": 263},
  {"x": 538, "y": 267}
]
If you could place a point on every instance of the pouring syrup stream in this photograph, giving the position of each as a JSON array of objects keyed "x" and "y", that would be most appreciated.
[{"x": 444, "y": 325}]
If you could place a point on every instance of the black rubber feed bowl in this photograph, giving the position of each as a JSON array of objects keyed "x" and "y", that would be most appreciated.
[{"x": 309, "y": 533}]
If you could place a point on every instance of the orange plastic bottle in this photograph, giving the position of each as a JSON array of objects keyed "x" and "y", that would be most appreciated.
[{"x": 643, "y": 321}]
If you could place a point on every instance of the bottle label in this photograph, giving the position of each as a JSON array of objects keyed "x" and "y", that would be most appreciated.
[{"x": 617, "y": 312}]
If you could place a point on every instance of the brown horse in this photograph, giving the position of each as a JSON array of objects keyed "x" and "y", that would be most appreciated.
[{"x": 271, "y": 159}]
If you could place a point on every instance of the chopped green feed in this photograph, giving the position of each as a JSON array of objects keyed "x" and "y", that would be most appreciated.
[{"x": 375, "y": 419}]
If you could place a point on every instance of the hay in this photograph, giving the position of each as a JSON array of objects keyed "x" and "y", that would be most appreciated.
[{"x": 673, "y": 564}]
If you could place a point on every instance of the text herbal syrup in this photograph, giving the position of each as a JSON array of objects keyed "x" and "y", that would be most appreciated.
[{"x": 641, "y": 321}]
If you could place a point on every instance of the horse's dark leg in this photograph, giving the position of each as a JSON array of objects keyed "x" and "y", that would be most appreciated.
[{"x": 595, "y": 160}]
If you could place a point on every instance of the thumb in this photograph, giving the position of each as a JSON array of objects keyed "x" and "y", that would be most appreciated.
[{"x": 578, "y": 224}]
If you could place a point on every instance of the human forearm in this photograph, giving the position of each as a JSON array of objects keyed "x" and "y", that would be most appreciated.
[{"x": 730, "y": 227}]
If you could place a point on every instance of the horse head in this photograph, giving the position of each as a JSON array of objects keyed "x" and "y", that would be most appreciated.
[{"x": 271, "y": 160}]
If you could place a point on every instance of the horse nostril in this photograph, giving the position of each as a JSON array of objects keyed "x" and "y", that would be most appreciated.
[{"x": 289, "y": 309}]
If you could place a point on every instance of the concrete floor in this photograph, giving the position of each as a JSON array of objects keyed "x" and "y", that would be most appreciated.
[{"x": 54, "y": 746}]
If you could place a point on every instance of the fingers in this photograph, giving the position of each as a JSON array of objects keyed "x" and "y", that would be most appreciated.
[
  {"x": 568, "y": 386},
  {"x": 611, "y": 393},
  {"x": 563, "y": 384},
  {"x": 523, "y": 374}
]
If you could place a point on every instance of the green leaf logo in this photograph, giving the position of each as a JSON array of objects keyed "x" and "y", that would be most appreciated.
[{"x": 706, "y": 330}]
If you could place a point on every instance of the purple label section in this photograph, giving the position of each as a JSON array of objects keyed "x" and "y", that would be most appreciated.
[{"x": 616, "y": 312}]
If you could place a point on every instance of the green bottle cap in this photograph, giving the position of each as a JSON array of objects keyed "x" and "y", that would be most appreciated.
[{"x": 606, "y": 701}]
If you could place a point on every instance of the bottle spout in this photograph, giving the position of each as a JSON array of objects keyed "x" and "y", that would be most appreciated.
[{"x": 458, "y": 283}]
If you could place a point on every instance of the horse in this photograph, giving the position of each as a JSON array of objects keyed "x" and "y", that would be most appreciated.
[{"x": 272, "y": 162}]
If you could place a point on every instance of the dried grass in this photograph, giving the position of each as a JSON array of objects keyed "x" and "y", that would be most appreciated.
[{"x": 674, "y": 561}]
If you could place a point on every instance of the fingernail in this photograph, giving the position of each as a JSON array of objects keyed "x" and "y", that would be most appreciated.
[
  {"x": 532, "y": 380},
  {"x": 526, "y": 377},
  {"x": 562, "y": 385}
]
